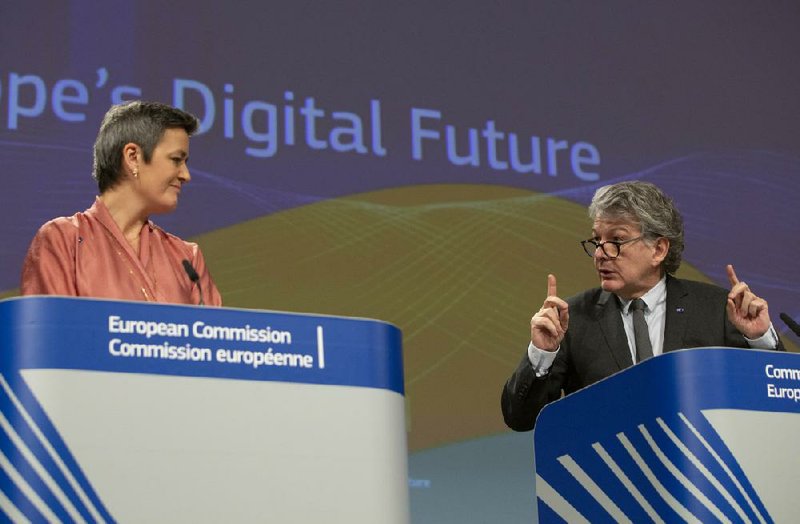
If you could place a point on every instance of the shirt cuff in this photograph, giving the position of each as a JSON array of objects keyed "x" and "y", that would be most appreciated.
[
  {"x": 541, "y": 360},
  {"x": 768, "y": 340}
]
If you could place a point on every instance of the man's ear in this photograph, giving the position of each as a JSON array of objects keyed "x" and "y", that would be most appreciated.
[{"x": 661, "y": 250}]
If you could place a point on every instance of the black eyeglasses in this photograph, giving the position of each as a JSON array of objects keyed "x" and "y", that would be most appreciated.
[{"x": 610, "y": 247}]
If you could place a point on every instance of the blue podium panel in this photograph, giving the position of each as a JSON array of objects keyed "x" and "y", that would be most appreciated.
[
  {"x": 134, "y": 412},
  {"x": 699, "y": 435}
]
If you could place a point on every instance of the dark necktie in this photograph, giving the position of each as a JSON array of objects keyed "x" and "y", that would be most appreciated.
[{"x": 641, "y": 335}]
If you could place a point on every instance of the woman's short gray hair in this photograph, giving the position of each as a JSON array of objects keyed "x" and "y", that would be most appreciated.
[
  {"x": 646, "y": 205},
  {"x": 142, "y": 123}
]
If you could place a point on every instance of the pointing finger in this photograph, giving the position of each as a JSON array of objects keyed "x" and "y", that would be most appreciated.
[
  {"x": 551, "y": 286},
  {"x": 731, "y": 275}
]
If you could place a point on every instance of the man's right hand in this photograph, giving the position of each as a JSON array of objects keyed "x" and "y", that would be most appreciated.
[{"x": 550, "y": 323}]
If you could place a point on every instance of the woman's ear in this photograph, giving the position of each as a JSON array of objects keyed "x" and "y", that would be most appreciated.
[{"x": 130, "y": 158}]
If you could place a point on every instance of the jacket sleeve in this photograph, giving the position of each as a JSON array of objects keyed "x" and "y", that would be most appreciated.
[{"x": 524, "y": 394}]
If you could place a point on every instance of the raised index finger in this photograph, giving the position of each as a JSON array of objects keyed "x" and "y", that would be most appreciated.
[
  {"x": 551, "y": 286},
  {"x": 731, "y": 275}
]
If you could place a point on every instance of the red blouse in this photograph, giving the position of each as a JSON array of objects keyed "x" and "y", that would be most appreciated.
[{"x": 86, "y": 255}]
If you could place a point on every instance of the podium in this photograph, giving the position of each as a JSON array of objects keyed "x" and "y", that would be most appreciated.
[
  {"x": 697, "y": 435},
  {"x": 134, "y": 412}
]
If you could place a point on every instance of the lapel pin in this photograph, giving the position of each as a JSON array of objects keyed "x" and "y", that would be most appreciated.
[{"x": 679, "y": 310}]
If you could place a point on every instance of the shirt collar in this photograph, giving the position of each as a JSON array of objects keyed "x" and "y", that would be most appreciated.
[
  {"x": 654, "y": 296},
  {"x": 101, "y": 213}
]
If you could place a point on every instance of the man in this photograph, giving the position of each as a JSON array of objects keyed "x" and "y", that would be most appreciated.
[{"x": 636, "y": 244}]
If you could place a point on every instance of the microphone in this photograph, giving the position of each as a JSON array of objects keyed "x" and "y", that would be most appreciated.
[
  {"x": 194, "y": 277},
  {"x": 794, "y": 326}
]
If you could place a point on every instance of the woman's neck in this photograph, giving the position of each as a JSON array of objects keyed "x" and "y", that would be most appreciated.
[{"x": 129, "y": 217}]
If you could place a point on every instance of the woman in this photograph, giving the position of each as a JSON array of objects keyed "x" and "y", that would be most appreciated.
[{"x": 113, "y": 250}]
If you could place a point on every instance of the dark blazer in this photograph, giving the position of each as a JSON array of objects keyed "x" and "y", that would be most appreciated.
[{"x": 595, "y": 345}]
